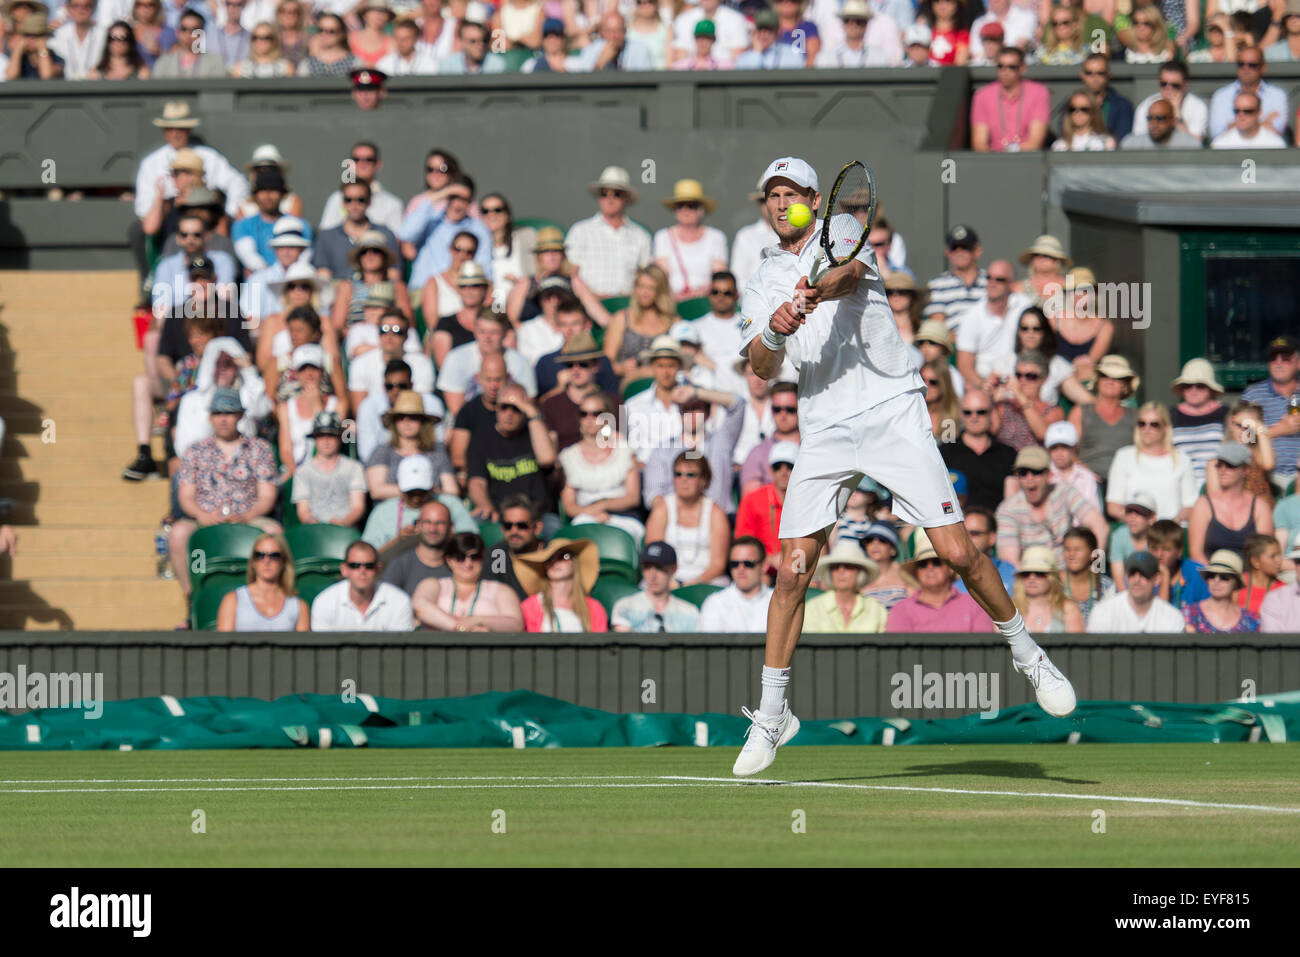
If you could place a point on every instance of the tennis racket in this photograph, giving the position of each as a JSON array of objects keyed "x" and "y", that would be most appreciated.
[{"x": 844, "y": 230}]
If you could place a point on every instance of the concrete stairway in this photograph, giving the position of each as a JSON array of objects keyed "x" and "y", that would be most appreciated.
[{"x": 85, "y": 536}]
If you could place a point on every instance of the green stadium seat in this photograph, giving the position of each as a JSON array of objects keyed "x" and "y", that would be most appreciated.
[
  {"x": 620, "y": 553},
  {"x": 538, "y": 223},
  {"x": 614, "y": 303},
  {"x": 695, "y": 594},
  {"x": 491, "y": 533},
  {"x": 221, "y": 548},
  {"x": 516, "y": 58},
  {"x": 311, "y": 584},
  {"x": 207, "y": 600},
  {"x": 319, "y": 548},
  {"x": 636, "y": 387},
  {"x": 609, "y": 589},
  {"x": 694, "y": 308},
  {"x": 814, "y": 592}
]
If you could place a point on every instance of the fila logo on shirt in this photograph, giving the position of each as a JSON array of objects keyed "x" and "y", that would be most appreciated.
[{"x": 947, "y": 508}]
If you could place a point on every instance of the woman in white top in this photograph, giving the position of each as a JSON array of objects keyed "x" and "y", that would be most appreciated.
[
  {"x": 648, "y": 26},
  {"x": 690, "y": 252},
  {"x": 443, "y": 295},
  {"x": 1152, "y": 464},
  {"x": 1149, "y": 41},
  {"x": 692, "y": 524},
  {"x": 268, "y": 601},
  {"x": 520, "y": 22},
  {"x": 512, "y": 248},
  {"x": 265, "y": 59},
  {"x": 601, "y": 480},
  {"x": 466, "y": 601},
  {"x": 759, "y": 422},
  {"x": 1082, "y": 128},
  {"x": 295, "y": 414}
]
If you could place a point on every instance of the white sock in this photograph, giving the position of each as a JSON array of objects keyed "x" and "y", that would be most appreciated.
[
  {"x": 775, "y": 681},
  {"x": 1023, "y": 646}
]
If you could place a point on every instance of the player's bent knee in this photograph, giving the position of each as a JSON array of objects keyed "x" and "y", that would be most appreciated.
[{"x": 961, "y": 556}]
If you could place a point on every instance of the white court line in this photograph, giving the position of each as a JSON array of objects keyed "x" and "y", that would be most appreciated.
[
  {"x": 593, "y": 781},
  {"x": 386, "y": 777},
  {"x": 1045, "y": 794}
]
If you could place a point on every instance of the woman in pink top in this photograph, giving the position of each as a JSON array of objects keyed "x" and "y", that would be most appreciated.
[
  {"x": 371, "y": 44},
  {"x": 557, "y": 579}
]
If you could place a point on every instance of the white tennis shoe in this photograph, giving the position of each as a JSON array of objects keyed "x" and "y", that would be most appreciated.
[
  {"x": 763, "y": 738},
  {"x": 1054, "y": 691}
]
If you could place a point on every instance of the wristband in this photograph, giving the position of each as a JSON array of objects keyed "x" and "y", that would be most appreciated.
[{"x": 774, "y": 341}]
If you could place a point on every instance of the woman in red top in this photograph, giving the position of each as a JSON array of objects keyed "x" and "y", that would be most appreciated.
[
  {"x": 557, "y": 579},
  {"x": 950, "y": 40}
]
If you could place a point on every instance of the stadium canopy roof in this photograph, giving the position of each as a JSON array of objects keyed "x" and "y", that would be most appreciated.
[{"x": 1271, "y": 209}]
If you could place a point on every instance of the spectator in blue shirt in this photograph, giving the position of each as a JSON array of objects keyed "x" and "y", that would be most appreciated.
[
  {"x": 612, "y": 50},
  {"x": 655, "y": 609},
  {"x": 431, "y": 232},
  {"x": 1279, "y": 397},
  {"x": 253, "y": 234},
  {"x": 766, "y": 53}
]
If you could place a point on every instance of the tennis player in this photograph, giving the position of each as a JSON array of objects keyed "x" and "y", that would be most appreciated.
[{"x": 862, "y": 413}]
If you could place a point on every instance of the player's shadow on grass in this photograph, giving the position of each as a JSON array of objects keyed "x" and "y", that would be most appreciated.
[{"x": 1023, "y": 770}]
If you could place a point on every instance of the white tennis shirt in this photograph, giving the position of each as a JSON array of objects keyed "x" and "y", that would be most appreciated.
[{"x": 848, "y": 353}]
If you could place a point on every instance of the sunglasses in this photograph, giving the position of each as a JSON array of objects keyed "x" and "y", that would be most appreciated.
[
  {"x": 738, "y": 562},
  {"x": 191, "y": 236},
  {"x": 1021, "y": 473},
  {"x": 1031, "y": 328},
  {"x": 475, "y": 557},
  {"x": 1227, "y": 465},
  {"x": 1250, "y": 64},
  {"x": 351, "y": 200},
  {"x": 1080, "y": 109},
  {"x": 516, "y": 526},
  {"x": 686, "y": 474},
  {"x": 1141, "y": 23},
  {"x": 1246, "y": 112},
  {"x": 1096, "y": 73},
  {"x": 1029, "y": 376},
  {"x": 974, "y": 412},
  {"x": 368, "y": 566},
  {"x": 929, "y": 563},
  {"x": 260, "y": 36},
  {"x": 487, "y": 210},
  {"x": 884, "y": 245},
  {"x": 607, "y": 193},
  {"x": 1160, "y": 117},
  {"x": 408, "y": 417},
  {"x": 331, "y": 30},
  {"x": 466, "y": 251},
  {"x": 1062, "y": 23},
  {"x": 790, "y": 409},
  {"x": 691, "y": 204},
  {"x": 931, "y": 381},
  {"x": 1034, "y": 574},
  {"x": 400, "y": 386},
  {"x": 584, "y": 364},
  {"x": 1151, "y": 425},
  {"x": 592, "y": 413},
  {"x": 511, "y": 408},
  {"x": 1008, "y": 66},
  {"x": 267, "y": 556},
  {"x": 1169, "y": 85},
  {"x": 1130, "y": 510},
  {"x": 364, "y": 159},
  {"x": 729, "y": 293},
  {"x": 299, "y": 286}
]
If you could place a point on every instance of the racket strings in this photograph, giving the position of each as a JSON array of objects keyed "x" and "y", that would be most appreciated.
[{"x": 850, "y": 207}]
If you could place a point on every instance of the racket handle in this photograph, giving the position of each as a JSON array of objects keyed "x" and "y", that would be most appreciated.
[{"x": 818, "y": 269}]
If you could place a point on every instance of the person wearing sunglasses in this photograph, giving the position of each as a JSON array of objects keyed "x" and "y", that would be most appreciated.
[
  {"x": 1116, "y": 109},
  {"x": 987, "y": 324},
  {"x": 515, "y": 456},
  {"x": 1220, "y": 613},
  {"x": 189, "y": 58},
  {"x": 608, "y": 248},
  {"x": 936, "y": 606},
  {"x": 1227, "y": 518},
  {"x": 748, "y": 243},
  {"x": 1252, "y": 66},
  {"x": 361, "y": 601},
  {"x": 742, "y": 606},
  {"x": 1147, "y": 39},
  {"x": 329, "y": 487},
  {"x": 558, "y": 579},
  {"x": 1191, "y": 114},
  {"x": 1023, "y": 415},
  {"x": 1159, "y": 133},
  {"x": 1247, "y": 131},
  {"x": 962, "y": 284},
  {"x": 688, "y": 251},
  {"x": 444, "y": 243},
  {"x": 1009, "y": 115},
  {"x": 192, "y": 236},
  {"x": 268, "y": 601},
  {"x": 655, "y": 609},
  {"x": 521, "y": 530},
  {"x": 409, "y": 57},
  {"x": 759, "y": 513},
  {"x": 122, "y": 59},
  {"x": 1042, "y": 512},
  {"x": 1082, "y": 128},
  {"x": 466, "y": 600},
  {"x": 1041, "y": 598},
  {"x": 1138, "y": 609},
  {"x": 1152, "y": 464},
  {"x": 602, "y": 483},
  {"x": 382, "y": 208},
  {"x": 785, "y": 416},
  {"x": 266, "y": 59}
]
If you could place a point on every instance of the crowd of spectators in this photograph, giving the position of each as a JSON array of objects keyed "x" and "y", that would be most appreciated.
[{"x": 425, "y": 369}]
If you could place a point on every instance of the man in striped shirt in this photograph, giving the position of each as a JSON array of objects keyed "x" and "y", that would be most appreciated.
[
  {"x": 1275, "y": 397},
  {"x": 962, "y": 284},
  {"x": 1198, "y": 419}
]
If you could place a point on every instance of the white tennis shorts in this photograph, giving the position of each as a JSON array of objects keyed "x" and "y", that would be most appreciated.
[{"x": 891, "y": 443}]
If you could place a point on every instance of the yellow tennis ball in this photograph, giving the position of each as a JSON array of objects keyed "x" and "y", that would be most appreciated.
[{"x": 798, "y": 215}]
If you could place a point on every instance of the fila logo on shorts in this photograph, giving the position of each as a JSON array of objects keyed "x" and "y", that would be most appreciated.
[{"x": 947, "y": 508}]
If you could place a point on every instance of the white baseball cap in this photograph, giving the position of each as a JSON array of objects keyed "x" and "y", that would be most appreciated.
[
  {"x": 308, "y": 354},
  {"x": 918, "y": 34},
  {"x": 1140, "y": 498},
  {"x": 1061, "y": 433},
  {"x": 796, "y": 170},
  {"x": 415, "y": 472},
  {"x": 684, "y": 331},
  {"x": 782, "y": 452}
]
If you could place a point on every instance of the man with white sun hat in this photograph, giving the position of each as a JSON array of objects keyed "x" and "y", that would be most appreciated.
[{"x": 608, "y": 247}]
